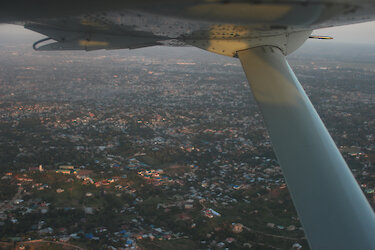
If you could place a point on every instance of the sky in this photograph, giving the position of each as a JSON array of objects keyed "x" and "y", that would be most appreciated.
[
  {"x": 355, "y": 33},
  {"x": 362, "y": 33}
]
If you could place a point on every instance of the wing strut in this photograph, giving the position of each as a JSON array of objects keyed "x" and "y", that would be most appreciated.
[{"x": 333, "y": 210}]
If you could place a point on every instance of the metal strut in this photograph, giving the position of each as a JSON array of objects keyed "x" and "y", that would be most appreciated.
[{"x": 333, "y": 210}]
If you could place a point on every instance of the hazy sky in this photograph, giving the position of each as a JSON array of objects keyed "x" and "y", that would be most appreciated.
[{"x": 356, "y": 33}]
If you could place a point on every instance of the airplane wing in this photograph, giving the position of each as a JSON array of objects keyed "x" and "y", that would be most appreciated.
[
  {"x": 333, "y": 210},
  {"x": 89, "y": 34},
  {"x": 277, "y": 12},
  {"x": 212, "y": 25}
]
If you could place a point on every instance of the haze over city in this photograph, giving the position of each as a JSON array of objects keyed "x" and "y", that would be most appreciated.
[{"x": 163, "y": 148}]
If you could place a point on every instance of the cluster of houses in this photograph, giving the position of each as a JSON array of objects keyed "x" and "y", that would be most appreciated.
[{"x": 155, "y": 177}]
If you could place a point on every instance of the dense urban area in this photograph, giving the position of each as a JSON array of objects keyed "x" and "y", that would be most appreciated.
[{"x": 162, "y": 148}]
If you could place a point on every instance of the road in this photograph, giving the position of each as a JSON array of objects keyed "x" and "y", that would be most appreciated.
[
  {"x": 8, "y": 206},
  {"x": 24, "y": 243}
]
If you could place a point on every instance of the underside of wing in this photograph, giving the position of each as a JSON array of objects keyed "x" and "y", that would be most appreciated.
[
  {"x": 222, "y": 27},
  {"x": 276, "y": 13},
  {"x": 89, "y": 34}
]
